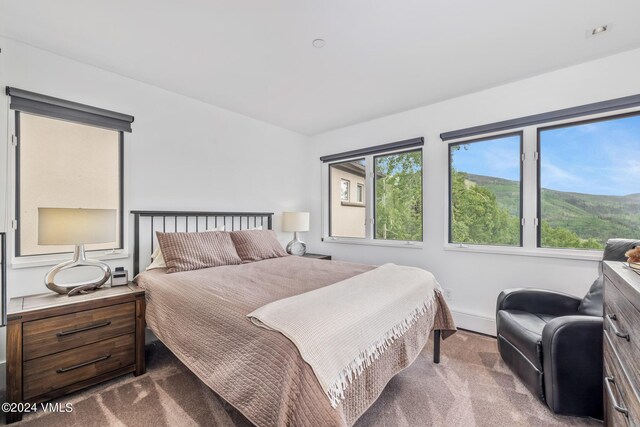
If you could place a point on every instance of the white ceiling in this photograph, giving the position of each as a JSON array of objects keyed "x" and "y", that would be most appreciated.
[{"x": 255, "y": 57}]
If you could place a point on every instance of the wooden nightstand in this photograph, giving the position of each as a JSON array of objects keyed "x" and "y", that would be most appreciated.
[
  {"x": 58, "y": 344},
  {"x": 317, "y": 256}
]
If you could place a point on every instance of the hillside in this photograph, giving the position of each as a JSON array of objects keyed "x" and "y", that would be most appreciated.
[{"x": 587, "y": 215}]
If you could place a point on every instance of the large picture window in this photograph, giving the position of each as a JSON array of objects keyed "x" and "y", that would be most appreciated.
[
  {"x": 486, "y": 191},
  {"x": 383, "y": 199},
  {"x": 557, "y": 184},
  {"x": 589, "y": 182}
]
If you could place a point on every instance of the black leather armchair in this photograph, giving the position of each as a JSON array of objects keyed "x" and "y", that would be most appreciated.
[{"x": 553, "y": 341}]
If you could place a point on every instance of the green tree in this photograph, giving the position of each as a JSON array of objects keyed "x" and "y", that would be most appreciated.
[
  {"x": 476, "y": 216},
  {"x": 559, "y": 237},
  {"x": 399, "y": 196}
]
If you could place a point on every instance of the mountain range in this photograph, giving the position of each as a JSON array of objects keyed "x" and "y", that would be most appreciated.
[{"x": 588, "y": 215}]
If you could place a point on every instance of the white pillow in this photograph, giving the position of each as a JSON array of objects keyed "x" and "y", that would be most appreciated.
[{"x": 157, "y": 259}]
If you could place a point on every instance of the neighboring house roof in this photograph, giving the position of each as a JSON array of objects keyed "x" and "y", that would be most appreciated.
[
  {"x": 355, "y": 168},
  {"x": 352, "y": 167}
]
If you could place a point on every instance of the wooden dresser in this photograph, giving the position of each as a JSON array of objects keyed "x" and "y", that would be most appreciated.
[
  {"x": 621, "y": 345},
  {"x": 58, "y": 344}
]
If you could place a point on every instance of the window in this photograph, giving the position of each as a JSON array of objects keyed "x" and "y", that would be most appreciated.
[
  {"x": 68, "y": 155},
  {"x": 559, "y": 189},
  {"x": 344, "y": 190},
  {"x": 589, "y": 180},
  {"x": 398, "y": 190},
  {"x": 64, "y": 164},
  {"x": 386, "y": 207},
  {"x": 486, "y": 191},
  {"x": 347, "y": 219}
]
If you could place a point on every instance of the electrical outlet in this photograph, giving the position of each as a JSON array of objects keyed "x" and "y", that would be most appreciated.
[{"x": 448, "y": 294}]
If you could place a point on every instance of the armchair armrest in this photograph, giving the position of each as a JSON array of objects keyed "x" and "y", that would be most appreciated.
[
  {"x": 538, "y": 301},
  {"x": 572, "y": 363}
]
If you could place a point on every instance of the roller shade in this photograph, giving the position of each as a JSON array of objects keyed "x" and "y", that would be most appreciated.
[
  {"x": 552, "y": 116},
  {"x": 407, "y": 143},
  {"x": 44, "y": 105}
]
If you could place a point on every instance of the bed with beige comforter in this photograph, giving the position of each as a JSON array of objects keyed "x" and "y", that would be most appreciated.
[{"x": 201, "y": 316}]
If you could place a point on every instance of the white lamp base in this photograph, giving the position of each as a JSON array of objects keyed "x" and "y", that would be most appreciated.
[
  {"x": 79, "y": 260},
  {"x": 296, "y": 246}
]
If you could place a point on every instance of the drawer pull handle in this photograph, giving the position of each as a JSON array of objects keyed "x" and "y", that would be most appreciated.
[
  {"x": 80, "y": 365},
  {"x": 608, "y": 381},
  {"x": 610, "y": 318},
  {"x": 84, "y": 328}
]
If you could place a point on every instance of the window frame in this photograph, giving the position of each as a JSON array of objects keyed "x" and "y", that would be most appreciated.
[
  {"x": 530, "y": 183},
  {"x": 369, "y": 194},
  {"x": 520, "y": 135},
  {"x": 22, "y": 261}
]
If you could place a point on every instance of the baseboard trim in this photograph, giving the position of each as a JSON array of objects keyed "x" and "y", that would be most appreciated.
[{"x": 474, "y": 322}]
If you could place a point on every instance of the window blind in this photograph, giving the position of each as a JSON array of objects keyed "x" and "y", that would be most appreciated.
[
  {"x": 376, "y": 149},
  {"x": 44, "y": 105},
  {"x": 552, "y": 116}
]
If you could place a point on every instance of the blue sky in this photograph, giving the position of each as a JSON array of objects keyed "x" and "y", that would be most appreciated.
[
  {"x": 595, "y": 158},
  {"x": 495, "y": 157}
]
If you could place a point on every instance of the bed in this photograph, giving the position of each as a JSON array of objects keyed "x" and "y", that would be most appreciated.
[{"x": 201, "y": 316}]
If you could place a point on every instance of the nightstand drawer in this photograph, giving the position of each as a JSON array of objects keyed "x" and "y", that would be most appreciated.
[
  {"x": 49, "y": 373},
  {"x": 55, "y": 334}
]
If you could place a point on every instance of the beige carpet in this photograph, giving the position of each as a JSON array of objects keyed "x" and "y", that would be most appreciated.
[{"x": 470, "y": 387}]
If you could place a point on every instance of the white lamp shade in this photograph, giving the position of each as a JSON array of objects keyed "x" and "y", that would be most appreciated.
[
  {"x": 295, "y": 221},
  {"x": 65, "y": 226}
]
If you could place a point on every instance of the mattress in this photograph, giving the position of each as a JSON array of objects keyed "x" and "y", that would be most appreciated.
[{"x": 201, "y": 316}]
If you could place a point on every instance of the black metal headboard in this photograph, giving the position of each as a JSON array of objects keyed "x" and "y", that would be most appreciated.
[{"x": 151, "y": 221}]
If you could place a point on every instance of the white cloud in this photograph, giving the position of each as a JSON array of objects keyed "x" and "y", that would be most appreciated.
[{"x": 555, "y": 177}]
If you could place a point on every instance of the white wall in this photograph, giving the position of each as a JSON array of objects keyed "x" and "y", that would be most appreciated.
[
  {"x": 183, "y": 154},
  {"x": 475, "y": 279}
]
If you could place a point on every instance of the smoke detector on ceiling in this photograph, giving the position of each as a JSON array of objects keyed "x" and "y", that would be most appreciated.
[
  {"x": 599, "y": 30},
  {"x": 318, "y": 43}
]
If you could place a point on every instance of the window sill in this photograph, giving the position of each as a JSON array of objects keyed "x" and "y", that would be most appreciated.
[
  {"x": 353, "y": 204},
  {"x": 372, "y": 242},
  {"x": 577, "y": 254},
  {"x": 44, "y": 260}
]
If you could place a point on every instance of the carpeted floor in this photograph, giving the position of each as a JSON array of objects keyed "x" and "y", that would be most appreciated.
[{"x": 470, "y": 387}]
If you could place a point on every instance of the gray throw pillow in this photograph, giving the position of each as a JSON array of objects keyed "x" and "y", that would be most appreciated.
[
  {"x": 256, "y": 245},
  {"x": 192, "y": 251}
]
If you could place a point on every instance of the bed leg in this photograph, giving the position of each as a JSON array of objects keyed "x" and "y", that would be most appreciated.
[{"x": 436, "y": 346}]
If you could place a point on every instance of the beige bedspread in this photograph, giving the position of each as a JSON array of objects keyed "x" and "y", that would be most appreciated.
[{"x": 201, "y": 317}]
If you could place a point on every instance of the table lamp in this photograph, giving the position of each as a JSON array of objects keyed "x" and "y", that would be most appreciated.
[
  {"x": 295, "y": 221},
  {"x": 70, "y": 226}
]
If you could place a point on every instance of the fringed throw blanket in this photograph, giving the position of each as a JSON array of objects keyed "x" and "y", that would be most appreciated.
[{"x": 342, "y": 328}]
